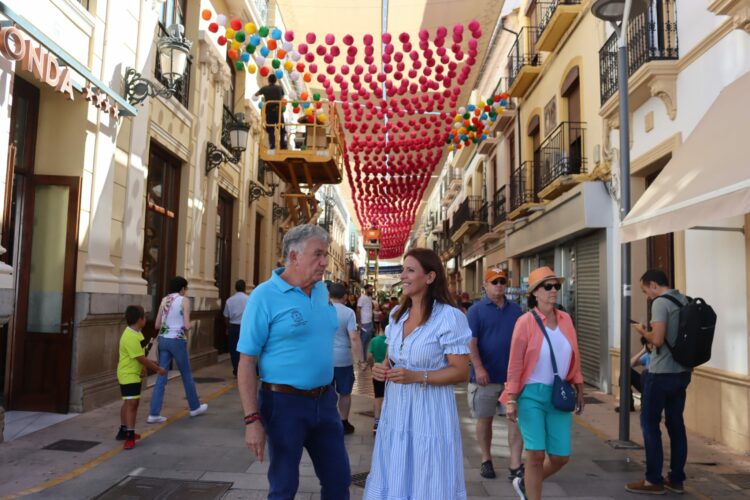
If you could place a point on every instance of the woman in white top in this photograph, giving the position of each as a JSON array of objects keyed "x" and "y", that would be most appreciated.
[
  {"x": 546, "y": 430},
  {"x": 418, "y": 451},
  {"x": 173, "y": 324}
]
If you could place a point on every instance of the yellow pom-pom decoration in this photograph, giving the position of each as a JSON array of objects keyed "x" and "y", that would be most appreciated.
[
  {"x": 230, "y": 33},
  {"x": 251, "y": 68},
  {"x": 250, "y": 28},
  {"x": 289, "y": 65}
]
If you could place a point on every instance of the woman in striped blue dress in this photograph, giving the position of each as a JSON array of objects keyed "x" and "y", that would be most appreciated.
[{"x": 418, "y": 454}]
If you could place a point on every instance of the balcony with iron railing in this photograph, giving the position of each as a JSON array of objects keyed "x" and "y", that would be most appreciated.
[
  {"x": 554, "y": 18},
  {"x": 524, "y": 186},
  {"x": 524, "y": 61},
  {"x": 651, "y": 38},
  {"x": 499, "y": 207},
  {"x": 466, "y": 218},
  {"x": 484, "y": 220},
  {"x": 182, "y": 86},
  {"x": 562, "y": 157},
  {"x": 452, "y": 182}
]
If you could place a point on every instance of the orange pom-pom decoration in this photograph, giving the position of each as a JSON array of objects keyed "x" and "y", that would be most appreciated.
[{"x": 206, "y": 14}]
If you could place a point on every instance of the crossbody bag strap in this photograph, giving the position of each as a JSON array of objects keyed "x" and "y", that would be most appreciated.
[{"x": 544, "y": 331}]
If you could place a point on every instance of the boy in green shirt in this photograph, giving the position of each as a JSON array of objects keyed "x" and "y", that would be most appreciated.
[
  {"x": 376, "y": 354},
  {"x": 129, "y": 368}
]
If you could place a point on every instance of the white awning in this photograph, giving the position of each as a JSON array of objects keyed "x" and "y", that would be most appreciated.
[{"x": 708, "y": 177}]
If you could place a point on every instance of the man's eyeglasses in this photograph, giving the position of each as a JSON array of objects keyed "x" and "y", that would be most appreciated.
[
  {"x": 499, "y": 281},
  {"x": 550, "y": 286}
]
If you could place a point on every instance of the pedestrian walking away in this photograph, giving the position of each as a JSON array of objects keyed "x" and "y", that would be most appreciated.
[
  {"x": 664, "y": 390},
  {"x": 129, "y": 368},
  {"x": 365, "y": 317},
  {"x": 346, "y": 349},
  {"x": 233, "y": 310},
  {"x": 288, "y": 331},
  {"x": 544, "y": 348},
  {"x": 173, "y": 325},
  {"x": 492, "y": 321},
  {"x": 418, "y": 451}
]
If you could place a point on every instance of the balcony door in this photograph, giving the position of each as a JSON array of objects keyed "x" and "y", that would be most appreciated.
[{"x": 572, "y": 94}]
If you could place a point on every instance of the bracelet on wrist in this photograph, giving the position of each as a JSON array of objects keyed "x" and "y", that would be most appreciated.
[
  {"x": 511, "y": 402},
  {"x": 251, "y": 418},
  {"x": 424, "y": 379}
]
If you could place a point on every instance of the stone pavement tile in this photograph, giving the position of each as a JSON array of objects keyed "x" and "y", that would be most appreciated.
[
  {"x": 162, "y": 473},
  {"x": 475, "y": 488},
  {"x": 498, "y": 488},
  {"x": 239, "y": 480}
]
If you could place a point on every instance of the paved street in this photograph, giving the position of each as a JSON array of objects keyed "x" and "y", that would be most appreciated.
[{"x": 209, "y": 452}]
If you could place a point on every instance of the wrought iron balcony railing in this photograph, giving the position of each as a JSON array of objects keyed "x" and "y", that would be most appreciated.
[
  {"x": 545, "y": 11},
  {"x": 562, "y": 153},
  {"x": 182, "y": 87},
  {"x": 468, "y": 211},
  {"x": 484, "y": 219},
  {"x": 499, "y": 206},
  {"x": 652, "y": 36},
  {"x": 524, "y": 184},
  {"x": 523, "y": 53}
]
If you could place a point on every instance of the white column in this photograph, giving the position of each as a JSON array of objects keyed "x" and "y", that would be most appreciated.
[
  {"x": 215, "y": 80},
  {"x": 98, "y": 275},
  {"x": 131, "y": 263}
]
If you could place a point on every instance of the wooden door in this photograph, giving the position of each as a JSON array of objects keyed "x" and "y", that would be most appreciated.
[
  {"x": 43, "y": 320},
  {"x": 660, "y": 248},
  {"x": 223, "y": 266},
  {"x": 160, "y": 235}
]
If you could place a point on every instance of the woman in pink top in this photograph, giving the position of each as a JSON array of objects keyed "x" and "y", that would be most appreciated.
[{"x": 546, "y": 430}]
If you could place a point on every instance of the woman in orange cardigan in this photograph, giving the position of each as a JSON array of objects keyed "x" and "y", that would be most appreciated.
[{"x": 528, "y": 390}]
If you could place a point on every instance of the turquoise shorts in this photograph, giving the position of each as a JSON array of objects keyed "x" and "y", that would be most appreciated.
[{"x": 543, "y": 427}]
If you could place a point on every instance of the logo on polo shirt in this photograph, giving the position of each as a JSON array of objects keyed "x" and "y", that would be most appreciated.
[{"x": 297, "y": 317}]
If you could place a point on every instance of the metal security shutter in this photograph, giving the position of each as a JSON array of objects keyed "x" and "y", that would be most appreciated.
[{"x": 588, "y": 317}]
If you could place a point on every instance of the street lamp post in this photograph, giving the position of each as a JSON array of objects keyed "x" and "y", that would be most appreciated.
[{"x": 623, "y": 11}]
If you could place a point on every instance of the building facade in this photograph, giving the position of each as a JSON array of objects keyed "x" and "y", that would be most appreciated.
[
  {"x": 102, "y": 209},
  {"x": 689, "y": 184}
]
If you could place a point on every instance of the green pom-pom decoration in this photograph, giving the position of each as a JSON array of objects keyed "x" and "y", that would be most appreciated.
[
  {"x": 239, "y": 65},
  {"x": 263, "y": 31},
  {"x": 250, "y": 48},
  {"x": 276, "y": 64},
  {"x": 240, "y": 36}
]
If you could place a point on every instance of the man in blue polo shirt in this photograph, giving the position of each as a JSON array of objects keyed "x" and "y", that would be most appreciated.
[
  {"x": 492, "y": 321},
  {"x": 287, "y": 330}
]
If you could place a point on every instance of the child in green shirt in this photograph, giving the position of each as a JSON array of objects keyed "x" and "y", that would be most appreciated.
[
  {"x": 129, "y": 368},
  {"x": 376, "y": 354}
]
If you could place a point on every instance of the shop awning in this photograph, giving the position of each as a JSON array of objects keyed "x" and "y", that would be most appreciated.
[{"x": 708, "y": 177}]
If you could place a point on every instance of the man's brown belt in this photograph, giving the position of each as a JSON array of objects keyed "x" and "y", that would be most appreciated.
[{"x": 288, "y": 389}]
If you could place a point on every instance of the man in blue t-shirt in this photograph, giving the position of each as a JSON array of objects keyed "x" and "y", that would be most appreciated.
[
  {"x": 492, "y": 321},
  {"x": 287, "y": 330}
]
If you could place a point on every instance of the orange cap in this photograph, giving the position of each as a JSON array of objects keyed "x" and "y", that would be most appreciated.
[{"x": 494, "y": 273}]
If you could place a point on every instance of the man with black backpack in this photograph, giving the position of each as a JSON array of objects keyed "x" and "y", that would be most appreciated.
[{"x": 664, "y": 388}]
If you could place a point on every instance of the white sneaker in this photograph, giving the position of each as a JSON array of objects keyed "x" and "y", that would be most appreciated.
[
  {"x": 199, "y": 411},
  {"x": 155, "y": 419}
]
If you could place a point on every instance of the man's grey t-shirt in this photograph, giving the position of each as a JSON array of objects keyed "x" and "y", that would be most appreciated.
[{"x": 664, "y": 310}]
